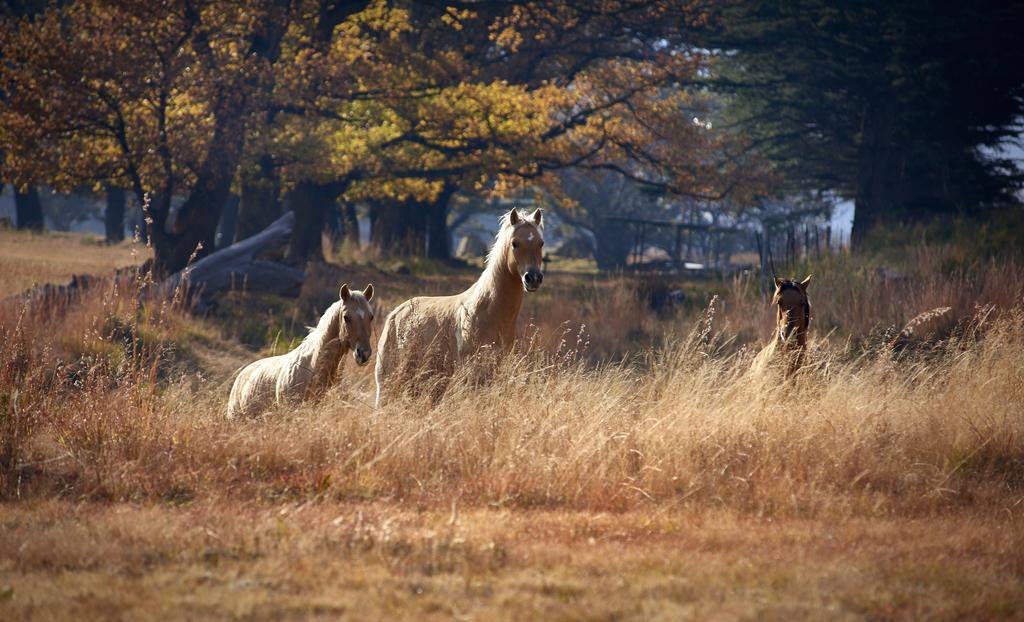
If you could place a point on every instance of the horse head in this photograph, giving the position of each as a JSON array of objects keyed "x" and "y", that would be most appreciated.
[
  {"x": 794, "y": 313},
  {"x": 356, "y": 326},
  {"x": 526, "y": 252}
]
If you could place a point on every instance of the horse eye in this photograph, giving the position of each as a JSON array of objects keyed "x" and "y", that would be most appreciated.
[
  {"x": 347, "y": 319},
  {"x": 515, "y": 243},
  {"x": 371, "y": 317}
]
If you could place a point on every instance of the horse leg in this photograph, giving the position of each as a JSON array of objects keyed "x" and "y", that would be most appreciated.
[{"x": 386, "y": 354}]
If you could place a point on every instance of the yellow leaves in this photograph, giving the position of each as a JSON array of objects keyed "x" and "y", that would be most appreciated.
[
  {"x": 455, "y": 17},
  {"x": 378, "y": 18},
  {"x": 402, "y": 97}
]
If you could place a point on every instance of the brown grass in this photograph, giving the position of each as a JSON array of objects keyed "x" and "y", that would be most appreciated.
[
  {"x": 584, "y": 480},
  {"x": 31, "y": 259},
  {"x": 383, "y": 561}
]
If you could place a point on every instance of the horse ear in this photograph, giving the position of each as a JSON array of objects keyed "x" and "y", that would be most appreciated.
[
  {"x": 804, "y": 283},
  {"x": 779, "y": 282},
  {"x": 537, "y": 216},
  {"x": 344, "y": 293},
  {"x": 368, "y": 292},
  {"x": 513, "y": 217}
]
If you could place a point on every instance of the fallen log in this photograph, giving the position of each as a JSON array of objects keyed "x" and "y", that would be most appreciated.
[{"x": 238, "y": 267}]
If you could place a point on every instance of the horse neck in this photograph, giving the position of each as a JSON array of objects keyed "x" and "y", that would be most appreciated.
[
  {"x": 800, "y": 333},
  {"x": 312, "y": 351},
  {"x": 497, "y": 295}
]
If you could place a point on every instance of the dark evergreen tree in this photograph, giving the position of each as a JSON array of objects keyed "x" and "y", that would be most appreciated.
[{"x": 891, "y": 104}]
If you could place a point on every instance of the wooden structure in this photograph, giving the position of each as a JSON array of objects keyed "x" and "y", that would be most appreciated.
[{"x": 687, "y": 238}]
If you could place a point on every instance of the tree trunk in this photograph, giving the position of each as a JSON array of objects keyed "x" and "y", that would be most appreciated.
[
  {"x": 873, "y": 201},
  {"x": 349, "y": 223},
  {"x": 228, "y": 222},
  {"x": 113, "y": 216},
  {"x": 310, "y": 202},
  {"x": 191, "y": 230},
  {"x": 439, "y": 244},
  {"x": 28, "y": 209},
  {"x": 260, "y": 203},
  {"x": 332, "y": 221},
  {"x": 399, "y": 227}
]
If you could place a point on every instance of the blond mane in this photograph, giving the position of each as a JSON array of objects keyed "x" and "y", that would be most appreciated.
[{"x": 327, "y": 324}]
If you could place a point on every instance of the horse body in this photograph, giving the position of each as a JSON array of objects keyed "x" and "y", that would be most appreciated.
[
  {"x": 311, "y": 368},
  {"x": 431, "y": 335}
]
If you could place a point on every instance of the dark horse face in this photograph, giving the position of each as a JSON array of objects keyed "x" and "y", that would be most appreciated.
[
  {"x": 794, "y": 307},
  {"x": 527, "y": 256}
]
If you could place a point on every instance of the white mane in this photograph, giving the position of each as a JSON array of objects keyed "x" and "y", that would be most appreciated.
[
  {"x": 314, "y": 339},
  {"x": 502, "y": 241}
]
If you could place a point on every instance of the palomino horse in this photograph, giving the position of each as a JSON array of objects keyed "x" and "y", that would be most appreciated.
[
  {"x": 428, "y": 336},
  {"x": 308, "y": 370},
  {"x": 792, "y": 321}
]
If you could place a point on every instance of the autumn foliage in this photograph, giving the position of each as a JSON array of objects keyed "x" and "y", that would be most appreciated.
[{"x": 364, "y": 100}]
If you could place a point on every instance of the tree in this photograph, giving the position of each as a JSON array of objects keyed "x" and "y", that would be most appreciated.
[
  {"x": 114, "y": 214},
  {"x": 150, "y": 97},
  {"x": 412, "y": 103},
  {"x": 64, "y": 210},
  {"x": 595, "y": 197},
  {"x": 28, "y": 210},
  {"x": 886, "y": 103},
  {"x": 400, "y": 104}
]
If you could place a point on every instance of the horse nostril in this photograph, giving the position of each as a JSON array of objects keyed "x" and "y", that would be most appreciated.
[{"x": 540, "y": 278}]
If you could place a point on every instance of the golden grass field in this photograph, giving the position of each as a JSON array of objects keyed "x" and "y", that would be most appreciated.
[
  {"x": 625, "y": 464},
  {"x": 28, "y": 259}
]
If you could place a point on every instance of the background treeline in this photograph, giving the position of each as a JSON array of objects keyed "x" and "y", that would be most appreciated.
[{"x": 223, "y": 113}]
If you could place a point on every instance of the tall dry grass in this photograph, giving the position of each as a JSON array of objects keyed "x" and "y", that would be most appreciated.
[{"x": 857, "y": 433}]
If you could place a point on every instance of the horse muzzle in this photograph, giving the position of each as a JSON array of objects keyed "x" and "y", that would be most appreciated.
[
  {"x": 362, "y": 355},
  {"x": 532, "y": 279}
]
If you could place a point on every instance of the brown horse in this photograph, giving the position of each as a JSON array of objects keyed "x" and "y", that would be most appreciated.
[
  {"x": 427, "y": 337},
  {"x": 792, "y": 321}
]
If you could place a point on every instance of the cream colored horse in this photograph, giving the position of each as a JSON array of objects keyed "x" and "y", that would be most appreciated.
[
  {"x": 425, "y": 338},
  {"x": 792, "y": 322},
  {"x": 310, "y": 369}
]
